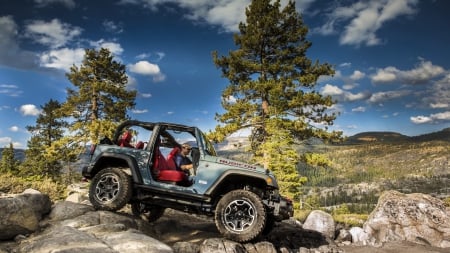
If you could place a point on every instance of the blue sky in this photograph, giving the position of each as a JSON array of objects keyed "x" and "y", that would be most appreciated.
[{"x": 392, "y": 58}]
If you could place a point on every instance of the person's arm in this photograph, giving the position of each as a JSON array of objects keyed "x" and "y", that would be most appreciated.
[{"x": 186, "y": 164}]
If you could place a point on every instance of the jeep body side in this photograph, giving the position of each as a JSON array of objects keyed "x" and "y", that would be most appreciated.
[{"x": 243, "y": 198}]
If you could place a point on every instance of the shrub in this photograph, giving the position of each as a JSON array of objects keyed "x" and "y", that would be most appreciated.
[{"x": 13, "y": 185}]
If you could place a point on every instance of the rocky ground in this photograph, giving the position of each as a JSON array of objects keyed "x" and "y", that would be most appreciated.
[
  {"x": 74, "y": 226},
  {"x": 175, "y": 226}
]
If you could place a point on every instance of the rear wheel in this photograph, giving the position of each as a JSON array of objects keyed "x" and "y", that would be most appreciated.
[
  {"x": 110, "y": 189},
  {"x": 240, "y": 215},
  {"x": 148, "y": 213}
]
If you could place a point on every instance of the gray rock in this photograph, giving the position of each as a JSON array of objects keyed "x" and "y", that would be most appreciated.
[
  {"x": 413, "y": 217},
  {"x": 64, "y": 210},
  {"x": 21, "y": 213},
  {"x": 133, "y": 241},
  {"x": 358, "y": 235},
  {"x": 218, "y": 245},
  {"x": 321, "y": 222},
  {"x": 64, "y": 239},
  {"x": 185, "y": 247}
]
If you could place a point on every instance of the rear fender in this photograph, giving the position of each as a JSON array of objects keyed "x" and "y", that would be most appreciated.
[{"x": 107, "y": 159}]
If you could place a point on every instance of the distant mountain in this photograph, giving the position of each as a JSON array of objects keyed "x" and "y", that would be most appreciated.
[
  {"x": 370, "y": 137},
  {"x": 443, "y": 135},
  {"x": 393, "y": 137},
  {"x": 19, "y": 154}
]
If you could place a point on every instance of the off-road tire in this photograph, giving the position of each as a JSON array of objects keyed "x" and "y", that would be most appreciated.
[
  {"x": 110, "y": 189},
  {"x": 148, "y": 213},
  {"x": 240, "y": 216}
]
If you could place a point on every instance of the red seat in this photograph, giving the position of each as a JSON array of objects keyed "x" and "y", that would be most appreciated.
[
  {"x": 172, "y": 176},
  {"x": 140, "y": 145},
  {"x": 126, "y": 139},
  {"x": 171, "y": 158},
  {"x": 163, "y": 172}
]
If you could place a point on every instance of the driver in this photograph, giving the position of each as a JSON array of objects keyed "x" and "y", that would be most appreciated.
[{"x": 182, "y": 160}]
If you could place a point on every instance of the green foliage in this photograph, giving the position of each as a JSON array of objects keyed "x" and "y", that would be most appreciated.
[
  {"x": 9, "y": 164},
  {"x": 271, "y": 89},
  {"x": 13, "y": 184},
  {"x": 447, "y": 202},
  {"x": 342, "y": 209},
  {"x": 99, "y": 99},
  {"x": 350, "y": 220},
  {"x": 316, "y": 159},
  {"x": 49, "y": 129}
]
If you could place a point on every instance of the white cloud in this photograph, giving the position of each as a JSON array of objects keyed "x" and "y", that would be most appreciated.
[
  {"x": 62, "y": 58},
  {"x": 231, "y": 100},
  {"x": 5, "y": 141},
  {"x": 424, "y": 72},
  {"x": 14, "y": 129},
  {"x": 11, "y": 54},
  {"x": 136, "y": 111},
  {"x": 357, "y": 75},
  {"x": 359, "y": 109},
  {"x": 54, "y": 34},
  {"x": 148, "y": 69},
  {"x": 156, "y": 57},
  {"x": 113, "y": 47},
  {"x": 10, "y": 90},
  {"x": 345, "y": 65},
  {"x": 432, "y": 118},
  {"x": 438, "y": 94},
  {"x": 112, "y": 27},
  {"x": 68, "y": 3},
  {"x": 363, "y": 19},
  {"x": 224, "y": 13},
  {"x": 331, "y": 90},
  {"x": 342, "y": 95},
  {"x": 144, "y": 68},
  {"x": 146, "y": 95},
  {"x": 421, "y": 119},
  {"x": 439, "y": 105},
  {"x": 388, "y": 95},
  {"x": 386, "y": 75},
  {"x": 29, "y": 110}
]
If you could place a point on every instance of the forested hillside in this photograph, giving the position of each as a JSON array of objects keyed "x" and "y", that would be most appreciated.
[{"x": 366, "y": 164}]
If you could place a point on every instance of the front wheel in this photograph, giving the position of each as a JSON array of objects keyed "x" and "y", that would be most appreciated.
[
  {"x": 240, "y": 216},
  {"x": 110, "y": 189}
]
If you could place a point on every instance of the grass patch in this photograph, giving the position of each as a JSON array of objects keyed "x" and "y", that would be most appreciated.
[{"x": 351, "y": 220}]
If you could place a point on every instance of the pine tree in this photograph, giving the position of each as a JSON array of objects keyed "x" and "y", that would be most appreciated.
[
  {"x": 48, "y": 130},
  {"x": 271, "y": 89},
  {"x": 100, "y": 99},
  {"x": 8, "y": 163}
]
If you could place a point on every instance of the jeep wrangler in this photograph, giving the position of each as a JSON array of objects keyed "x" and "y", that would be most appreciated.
[{"x": 136, "y": 167}]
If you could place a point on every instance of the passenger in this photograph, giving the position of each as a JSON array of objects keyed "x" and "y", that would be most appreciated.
[{"x": 182, "y": 160}]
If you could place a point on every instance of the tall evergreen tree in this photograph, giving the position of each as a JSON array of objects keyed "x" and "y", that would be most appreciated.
[
  {"x": 48, "y": 130},
  {"x": 99, "y": 99},
  {"x": 271, "y": 89},
  {"x": 8, "y": 163}
]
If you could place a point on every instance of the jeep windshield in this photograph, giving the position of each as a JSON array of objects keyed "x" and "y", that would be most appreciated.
[{"x": 206, "y": 144}]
